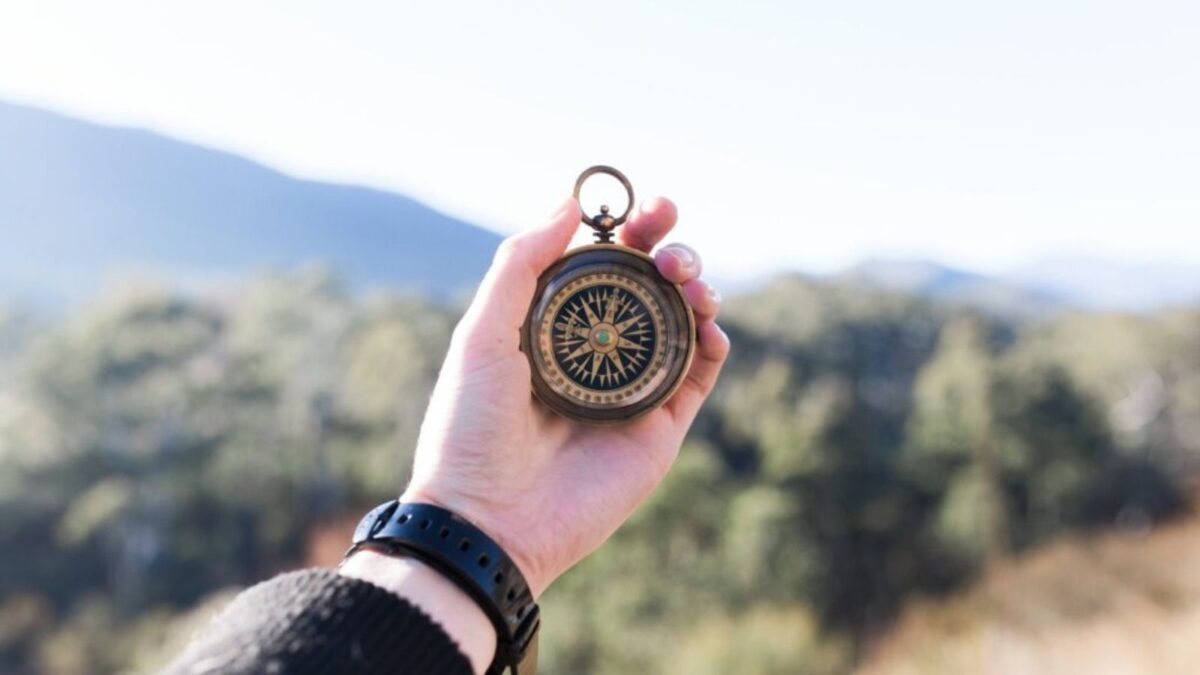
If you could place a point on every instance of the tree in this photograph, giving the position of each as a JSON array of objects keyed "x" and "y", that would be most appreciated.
[{"x": 951, "y": 454}]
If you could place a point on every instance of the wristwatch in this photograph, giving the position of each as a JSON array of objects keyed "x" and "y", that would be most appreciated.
[{"x": 473, "y": 561}]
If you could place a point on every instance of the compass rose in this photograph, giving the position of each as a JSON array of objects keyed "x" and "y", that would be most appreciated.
[{"x": 604, "y": 337}]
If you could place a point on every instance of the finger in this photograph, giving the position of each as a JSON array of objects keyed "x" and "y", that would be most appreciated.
[
  {"x": 504, "y": 295},
  {"x": 678, "y": 263},
  {"x": 712, "y": 347},
  {"x": 649, "y": 223},
  {"x": 703, "y": 298}
]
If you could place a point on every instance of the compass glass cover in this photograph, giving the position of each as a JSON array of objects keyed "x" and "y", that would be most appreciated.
[{"x": 606, "y": 336}]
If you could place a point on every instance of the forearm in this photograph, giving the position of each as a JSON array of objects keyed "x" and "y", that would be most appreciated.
[
  {"x": 529, "y": 493},
  {"x": 316, "y": 621},
  {"x": 457, "y": 614}
]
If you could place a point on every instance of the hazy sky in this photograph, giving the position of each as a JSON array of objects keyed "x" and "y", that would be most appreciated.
[{"x": 792, "y": 134}]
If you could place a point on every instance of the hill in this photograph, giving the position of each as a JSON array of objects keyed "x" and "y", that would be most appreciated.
[
  {"x": 1095, "y": 284},
  {"x": 953, "y": 286},
  {"x": 80, "y": 202},
  {"x": 1037, "y": 289}
]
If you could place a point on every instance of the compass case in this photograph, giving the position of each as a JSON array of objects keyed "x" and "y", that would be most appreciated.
[{"x": 607, "y": 337}]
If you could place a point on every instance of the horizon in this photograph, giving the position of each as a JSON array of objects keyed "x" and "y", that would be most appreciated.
[
  {"x": 1079, "y": 281},
  {"x": 871, "y": 134},
  {"x": 869, "y": 259}
]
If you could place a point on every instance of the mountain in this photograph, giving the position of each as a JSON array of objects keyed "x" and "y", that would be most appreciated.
[
  {"x": 953, "y": 286},
  {"x": 1037, "y": 289},
  {"x": 1094, "y": 284},
  {"x": 82, "y": 203}
]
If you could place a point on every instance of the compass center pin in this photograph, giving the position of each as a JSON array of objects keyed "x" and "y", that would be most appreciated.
[{"x": 604, "y": 337}]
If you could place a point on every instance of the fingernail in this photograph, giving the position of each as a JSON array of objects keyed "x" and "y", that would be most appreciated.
[
  {"x": 684, "y": 256},
  {"x": 714, "y": 296}
]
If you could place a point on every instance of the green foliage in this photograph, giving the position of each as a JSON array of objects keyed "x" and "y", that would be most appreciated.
[{"x": 861, "y": 447}]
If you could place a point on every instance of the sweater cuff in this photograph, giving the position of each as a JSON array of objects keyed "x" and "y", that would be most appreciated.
[{"x": 318, "y": 621}]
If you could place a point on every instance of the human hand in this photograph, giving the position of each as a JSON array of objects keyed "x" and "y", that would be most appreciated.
[{"x": 548, "y": 489}]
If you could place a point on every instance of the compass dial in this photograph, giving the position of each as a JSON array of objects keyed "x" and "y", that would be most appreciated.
[
  {"x": 601, "y": 337},
  {"x": 608, "y": 340}
]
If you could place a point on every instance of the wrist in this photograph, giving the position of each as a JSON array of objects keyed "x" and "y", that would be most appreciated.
[
  {"x": 470, "y": 559},
  {"x": 484, "y": 517},
  {"x": 440, "y": 598}
]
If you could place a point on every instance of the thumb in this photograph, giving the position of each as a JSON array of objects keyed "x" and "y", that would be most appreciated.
[{"x": 503, "y": 298}]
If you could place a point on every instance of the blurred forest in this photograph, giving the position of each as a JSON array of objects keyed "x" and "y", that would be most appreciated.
[{"x": 865, "y": 452}]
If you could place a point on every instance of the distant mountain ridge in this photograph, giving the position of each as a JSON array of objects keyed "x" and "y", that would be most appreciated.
[
  {"x": 951, "y": 285},
  {"x": 1096, "y": 284},
  {"x": 80, "y": 202},
  {"x": 83, "y": 204},
  {"x": 1036, "y": 289}
]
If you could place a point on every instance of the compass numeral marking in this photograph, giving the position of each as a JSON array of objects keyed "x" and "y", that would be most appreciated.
[{"x": 571, "y": 333}]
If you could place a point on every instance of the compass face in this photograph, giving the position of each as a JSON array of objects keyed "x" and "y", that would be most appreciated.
[
  {"x": 608, "y": 337},
  {"x": 603, "y": 335}
]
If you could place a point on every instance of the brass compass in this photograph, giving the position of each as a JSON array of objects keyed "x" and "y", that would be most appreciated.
[{"x": 607, "y": 336}]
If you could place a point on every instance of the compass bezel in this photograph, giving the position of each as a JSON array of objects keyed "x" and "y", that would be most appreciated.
[{"x": 674, "y": 307}]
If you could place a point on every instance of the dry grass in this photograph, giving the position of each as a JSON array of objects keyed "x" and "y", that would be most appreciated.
[
  {"x": 1125, "y": 604},
  {"x": 1119, "y": 603}
]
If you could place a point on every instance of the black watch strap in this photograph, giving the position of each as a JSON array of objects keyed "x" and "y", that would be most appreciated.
[{"x": 470, "y": 559}]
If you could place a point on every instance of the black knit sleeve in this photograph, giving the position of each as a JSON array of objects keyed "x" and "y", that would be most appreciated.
[{"x": 318, "y": 621}]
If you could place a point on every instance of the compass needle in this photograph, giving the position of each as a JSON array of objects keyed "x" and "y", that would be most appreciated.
[
  {"x": 626, "y": 304},
  {"x": 592, "y": 319},
  {"x": 573, "y": 315},
  {"x": 597, "y": 359},
  {"x": 585, "y": 348},
  {"x": 624, "y": 343},
  {"x": 610, "y": 307},
  {"x": 615, "y": 357},
  {"x": 621, "y": 327}
]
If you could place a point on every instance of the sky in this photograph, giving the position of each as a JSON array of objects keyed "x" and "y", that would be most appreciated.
[{"x": 792, "y": 135}]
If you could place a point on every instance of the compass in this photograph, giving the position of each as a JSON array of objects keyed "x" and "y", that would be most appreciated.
[{"x": 607, "y": 337}]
